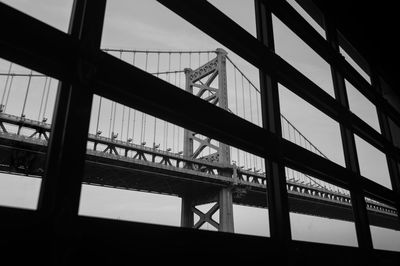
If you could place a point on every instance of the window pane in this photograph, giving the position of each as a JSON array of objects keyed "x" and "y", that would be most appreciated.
[
  {"x": 384, "y": 225},
  {"x": 362, "y": 107},
  {"x": 141, "y": 168},
  {"x": 151, "y": 37},
  {"x": 56, "y": 13},
  {"x": 242, "y": 12},
  {"x": 297, "y": 53},
  {"x": 356, "y": 66},
  {"x": 373, "y": 164},
  {"x": 309, "y": 128},
  {"x": 319, "y": 211},
  {"x": 26, "y": 109},
  {"x": 307, "y": 17}
]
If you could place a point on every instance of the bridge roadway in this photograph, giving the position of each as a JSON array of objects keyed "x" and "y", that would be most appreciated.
[{"x": 119, "y": 164}]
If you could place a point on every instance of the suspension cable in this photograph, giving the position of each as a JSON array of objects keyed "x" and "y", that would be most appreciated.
[
  {"x": 111, "y": 115},
  {"x": 236, "y": 107},
  {"x": 8, "y": 93},
  {"x": 133, "y": 125},
  {"x": 42, "y": 98},
  {"x": 134, "y": 58},
  {"x": 47, "y": 99},
  {"x": 180, "y": 69},
  {"x": 251, "y": 105},
  {"x": 5, "y": 85},
  {"x": 155, "y": 118},
  {"x": 123, "y": 120},
  {"x": 199, "y": 60},
  {"x": 244, "y": 107},
  {"x": 129, "y": 123},
  {"x": 98, "y": 115},
  {"x": 26, "y": 95}
]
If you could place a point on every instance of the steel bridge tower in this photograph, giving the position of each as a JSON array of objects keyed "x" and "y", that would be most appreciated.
[{"x": 199, "y": 82}]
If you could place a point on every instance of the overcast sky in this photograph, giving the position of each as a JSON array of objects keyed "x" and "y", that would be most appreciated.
[{"x": 147, "y": 25}]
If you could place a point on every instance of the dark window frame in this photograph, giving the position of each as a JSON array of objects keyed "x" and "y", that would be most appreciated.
[{"x": 84, "y": 70}]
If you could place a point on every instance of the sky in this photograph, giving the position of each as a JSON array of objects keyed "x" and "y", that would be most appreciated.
[{"x": 147, "y": 25}]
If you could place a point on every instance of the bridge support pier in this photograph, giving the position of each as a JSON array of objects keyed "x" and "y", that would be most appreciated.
[
  {"x": 187, "y": 219},
  {"x": 226, "y": 210}
]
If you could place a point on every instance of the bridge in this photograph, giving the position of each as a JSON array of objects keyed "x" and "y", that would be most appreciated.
[{"x": 131, "y": 150}]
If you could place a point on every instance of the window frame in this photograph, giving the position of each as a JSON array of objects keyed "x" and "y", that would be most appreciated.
[{"x": 84, "y": 70}]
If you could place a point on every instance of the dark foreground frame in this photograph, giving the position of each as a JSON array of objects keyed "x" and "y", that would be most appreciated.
[{"x": 56, "y": 234}]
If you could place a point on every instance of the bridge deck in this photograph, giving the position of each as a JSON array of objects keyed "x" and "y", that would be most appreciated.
[{"x": 21, "y": 154}]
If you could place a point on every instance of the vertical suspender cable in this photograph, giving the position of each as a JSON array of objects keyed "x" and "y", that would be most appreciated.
[
  {"x": 26, "y": 94},
  {"x": 123, "y": 107},
  {"x": 98, "y": 115},
  {"x": 114, "y": 116},
  {"x": 251, "y": 104},
  {"x": 180, "y": 77},
  {"x": 257, "y": 108},
  {"x": 143, "y": 133},
  {"x": 244, "y": 116},
  {"x": 173, "y": 125},
  {"x": 166, "y": 123},
  {"x": 169, "y": 67},
  {"x": 47, "y": 98},
  {"x": 236, "y": 107},
  {"x": 42, "y": 98},
  {"x": 123, "y": 120},
  {"x": 155, "y": 118},
  {"x": 180, "y": 68},
  {"x": 111, "y": 116},
  {"x": 244, "y": 107},
  {"x": 133, "y": 125},
  {"x": 5, "y": 86},
  {"x": 8, "y": 92},
  {"x": 129, "y": 123},
  {"x": 199, "y": 59}
]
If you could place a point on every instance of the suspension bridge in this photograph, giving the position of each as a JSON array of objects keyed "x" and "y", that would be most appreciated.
[{"x": 132, "y": 150}]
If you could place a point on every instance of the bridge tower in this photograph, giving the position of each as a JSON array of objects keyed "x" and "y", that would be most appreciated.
[{"x": 199, "y": 82}]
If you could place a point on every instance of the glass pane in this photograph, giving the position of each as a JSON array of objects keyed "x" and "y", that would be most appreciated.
[
  {"x": 373, "y": 164},
  {"x": 26, "y": 108},
  {"x": 297, "y": 53},
  {"x": 362, "y": 107},
  {"x": 384, "y": 225},
  {"x": 319, "y": 211},
  {"x": 309, "y": 128},
  {"x": 141, "y": 168},
  {"x": 151, "y": 37},
  {"x": 56, "y": 13},
  {"x": 307, "y": 17},
  {"x": 356, "y": 66},
  {"x": 242, "y": 12}
]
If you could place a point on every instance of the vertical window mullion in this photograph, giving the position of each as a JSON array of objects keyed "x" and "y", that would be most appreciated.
[
  {"x": 278, "y": 205},
  {"x": 60, "y": 192},
  {"x": 350, "y": 153}
]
